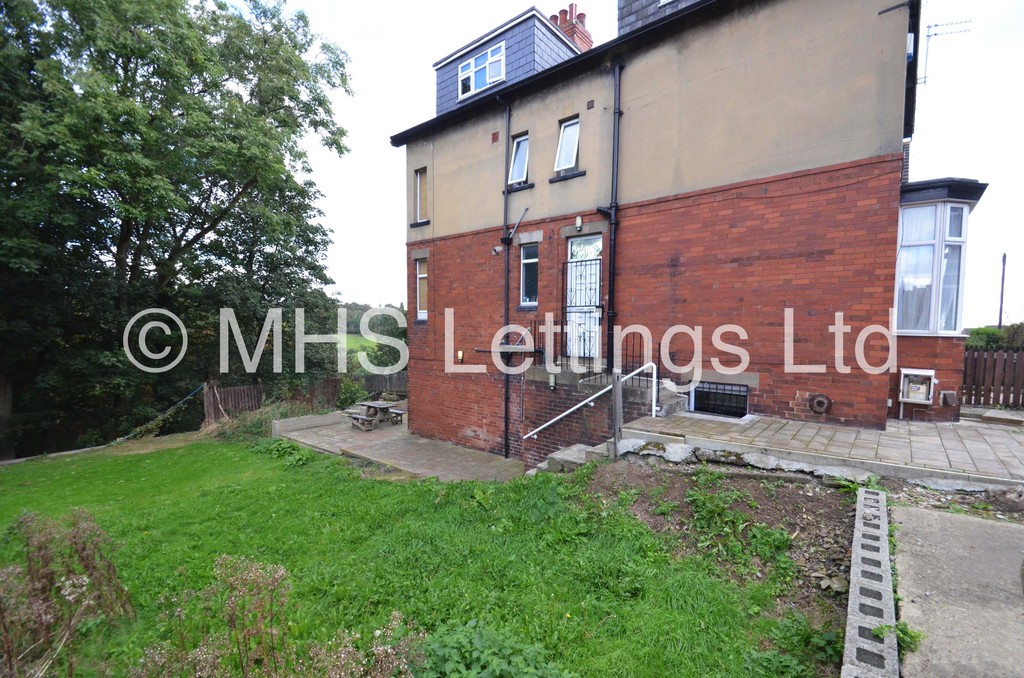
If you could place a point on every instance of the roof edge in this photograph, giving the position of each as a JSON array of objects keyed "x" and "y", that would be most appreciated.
[{"x": 948, "y": 188}]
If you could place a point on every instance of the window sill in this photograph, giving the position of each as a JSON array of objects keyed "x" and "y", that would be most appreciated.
[
  {"x": 527, "y": 308},
  {"x": 935, "y": 335},
  {"x": 520, "y": 187},
  {"x": 417, "y": 224},
  {"x": 566, "y": 177},
  {"x": 419, "y": 321}
]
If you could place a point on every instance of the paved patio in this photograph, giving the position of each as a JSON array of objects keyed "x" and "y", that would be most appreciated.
[
  {"x": 976, "y": 449},
  {"x": 393, "y": 445}
]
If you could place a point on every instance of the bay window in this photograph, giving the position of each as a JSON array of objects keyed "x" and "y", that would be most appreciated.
[{"x": 930, "y": 268}]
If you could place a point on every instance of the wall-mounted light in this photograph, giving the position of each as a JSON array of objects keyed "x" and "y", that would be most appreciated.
[
  {"x": 579, "y": 224},
  {"x": 458, "y": 356},
  {"x": 551, "y": 380}
]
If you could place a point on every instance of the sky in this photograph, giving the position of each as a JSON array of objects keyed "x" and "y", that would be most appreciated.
[{"x": 968, "y": 125}]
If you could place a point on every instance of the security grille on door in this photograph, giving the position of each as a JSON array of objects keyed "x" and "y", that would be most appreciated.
[{"x": 582, "y": 278}]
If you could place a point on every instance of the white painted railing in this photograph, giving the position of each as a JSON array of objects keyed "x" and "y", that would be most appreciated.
[{"x": 591, "y": 399}]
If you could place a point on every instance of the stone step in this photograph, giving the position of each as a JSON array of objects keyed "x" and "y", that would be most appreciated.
[
  {"x": 670, "y": 403},
  {"x": 1011, "y": 417},
  {"x": 568, "y": 459}
]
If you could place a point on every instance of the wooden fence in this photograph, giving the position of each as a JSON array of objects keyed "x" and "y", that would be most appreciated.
[
  {"x": 994, "y": 378},
  {"x": 225, "y": 402}
]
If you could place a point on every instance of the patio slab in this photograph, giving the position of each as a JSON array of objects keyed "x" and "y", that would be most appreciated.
[
  {"x": 393, "y": 445},
  {"x": 970, "y": 450}
]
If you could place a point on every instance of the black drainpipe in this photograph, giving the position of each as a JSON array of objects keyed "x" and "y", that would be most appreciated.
[
  {"x": 506, "y": 241},
  {"x": 613, "y": 213}
]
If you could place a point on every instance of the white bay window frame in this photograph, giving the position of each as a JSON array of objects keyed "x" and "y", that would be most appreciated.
[{"x": 943, "y": 315}]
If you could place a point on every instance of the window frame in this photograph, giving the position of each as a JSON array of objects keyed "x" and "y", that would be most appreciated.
[
  {"x": 420, "y": 196},
  {"x": 939, "y": 240},
  {"x": 421, "y": 303},
  {"x": 568, "y": 169},
  {"x": 468, "y": 69},
  {"x": 523, "y": 262},
  {"x": 516, "y": 143}
]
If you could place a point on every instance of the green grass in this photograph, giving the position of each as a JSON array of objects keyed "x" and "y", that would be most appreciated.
[
  {"x": 359, "y": 343},
  {"x": 535, "y": 558}
]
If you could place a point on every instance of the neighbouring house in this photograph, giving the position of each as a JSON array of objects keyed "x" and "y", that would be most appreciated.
[{"x": 720, "y": 165}]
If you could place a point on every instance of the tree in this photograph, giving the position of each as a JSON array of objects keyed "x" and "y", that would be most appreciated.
[{"x": 149, "y": 156}]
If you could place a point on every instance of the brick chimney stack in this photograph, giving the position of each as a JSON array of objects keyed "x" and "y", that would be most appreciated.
[{"x": 574, "y": 27}]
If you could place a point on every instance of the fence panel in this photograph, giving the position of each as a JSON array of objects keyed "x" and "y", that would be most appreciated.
[{"x": 994, "y": 378}]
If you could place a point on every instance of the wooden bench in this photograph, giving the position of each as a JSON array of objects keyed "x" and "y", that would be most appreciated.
[
  {"x": 363, "y": 422},
  {"x": 396, "y": 416}
]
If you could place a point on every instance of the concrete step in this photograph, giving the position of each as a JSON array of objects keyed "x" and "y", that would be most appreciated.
[
  {"x": 1011, "y": 417},
  {"x": 568, "y": 459},
  {"x": 670, "y": 403}
]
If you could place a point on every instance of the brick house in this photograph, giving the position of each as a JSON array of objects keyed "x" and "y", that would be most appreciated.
[{"x": 721, "y": 163}]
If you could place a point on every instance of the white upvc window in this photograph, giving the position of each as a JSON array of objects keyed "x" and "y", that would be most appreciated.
[
  {"x": 528, "y": 272},
  {"x": 421, "y": 289},
  {"x": 930, "y": 268},
  {"x": 518, "y": 167},
  {"x": 567, "y": 156},
  {"x": 482, "y": 71}
]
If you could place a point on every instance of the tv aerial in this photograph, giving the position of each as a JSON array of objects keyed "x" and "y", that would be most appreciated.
[{"x": 936, "y": 31}]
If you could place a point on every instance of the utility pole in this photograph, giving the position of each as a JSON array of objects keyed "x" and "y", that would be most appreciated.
[{"x": 1002, "y": 289}]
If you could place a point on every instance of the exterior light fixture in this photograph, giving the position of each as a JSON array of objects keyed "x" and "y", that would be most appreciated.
[
  {"x": 551, "y": 380},
  {"x": 459, "y": 356}
]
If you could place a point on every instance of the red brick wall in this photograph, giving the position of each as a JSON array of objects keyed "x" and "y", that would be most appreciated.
[
  {"x": 945, "y": 355},
  {"x": 817, "y": 241}
]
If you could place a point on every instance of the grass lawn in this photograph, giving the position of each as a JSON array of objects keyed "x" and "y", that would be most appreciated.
[
  {"x": 358, "y": 342},
  {"x": 534, "y": 557}
]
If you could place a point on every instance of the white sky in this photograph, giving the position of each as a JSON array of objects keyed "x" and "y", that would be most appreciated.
[{"x": 968, "y": 126}]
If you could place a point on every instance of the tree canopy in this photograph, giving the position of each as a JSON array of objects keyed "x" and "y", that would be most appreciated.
[{"x": 150, "y": 156}]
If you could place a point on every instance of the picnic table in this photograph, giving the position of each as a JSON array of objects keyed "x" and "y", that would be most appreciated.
[{"x": 376, "y": 412}]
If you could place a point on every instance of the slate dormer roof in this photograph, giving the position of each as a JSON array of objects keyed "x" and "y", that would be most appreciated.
[{"x": 529, "y": 43}]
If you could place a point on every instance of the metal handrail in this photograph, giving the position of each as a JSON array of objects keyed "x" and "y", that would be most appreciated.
[{"x": 654, "y": 398}]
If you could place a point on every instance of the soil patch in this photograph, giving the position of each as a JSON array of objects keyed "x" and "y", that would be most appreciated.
[{"x": 818, "y": 518}]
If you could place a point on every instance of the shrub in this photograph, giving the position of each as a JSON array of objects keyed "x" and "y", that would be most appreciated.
[
  {"x": 350, "y": 392},
  {"x": 473, "y": 649},
  {"x": 985, "y": 339},
  {"x": 250, "y": 425},
  {"x": 67, "y": 586}
]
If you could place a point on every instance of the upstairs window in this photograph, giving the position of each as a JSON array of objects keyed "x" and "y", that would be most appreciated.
[
  {"x": 567, "y": 157},
  {"x": 528, "y": 275},
  {"x": 930, "y": 268},
  {"x": 482, "y": 71},
  {"x": 421, "y": 195},
  {"x": 517, "y": 170}
]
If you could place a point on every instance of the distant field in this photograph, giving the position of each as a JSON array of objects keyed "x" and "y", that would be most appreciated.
[{"x": 359, "y": 342}]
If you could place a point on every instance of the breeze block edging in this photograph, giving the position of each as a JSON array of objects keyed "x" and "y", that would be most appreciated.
[{"x": 871, "y": 602}]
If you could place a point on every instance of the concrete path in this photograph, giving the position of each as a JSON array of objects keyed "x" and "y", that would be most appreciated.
[
  {"x": 972, "y": 450},
  {"x": 393, "y": 445},
  {"x": 960, "y": 583}
]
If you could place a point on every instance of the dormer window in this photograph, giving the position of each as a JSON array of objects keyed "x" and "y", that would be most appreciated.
[{"x": 482, "y": 71}]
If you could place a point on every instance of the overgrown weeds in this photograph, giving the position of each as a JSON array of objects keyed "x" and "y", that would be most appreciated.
[{"x": 65, "y": 587}]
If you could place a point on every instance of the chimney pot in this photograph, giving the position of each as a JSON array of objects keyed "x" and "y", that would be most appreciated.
[{"x": 573, "y": 26}]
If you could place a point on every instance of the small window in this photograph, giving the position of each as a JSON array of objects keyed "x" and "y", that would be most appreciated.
[
  {"x": 421, "y": 195},
  {"x": 482, "y": 71},
  {"x": 517, "y": 171},
  {"x": 421, "y": 289},
  {"x": 567, "y": 157},
  {"x": 528, "y": 275}
]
